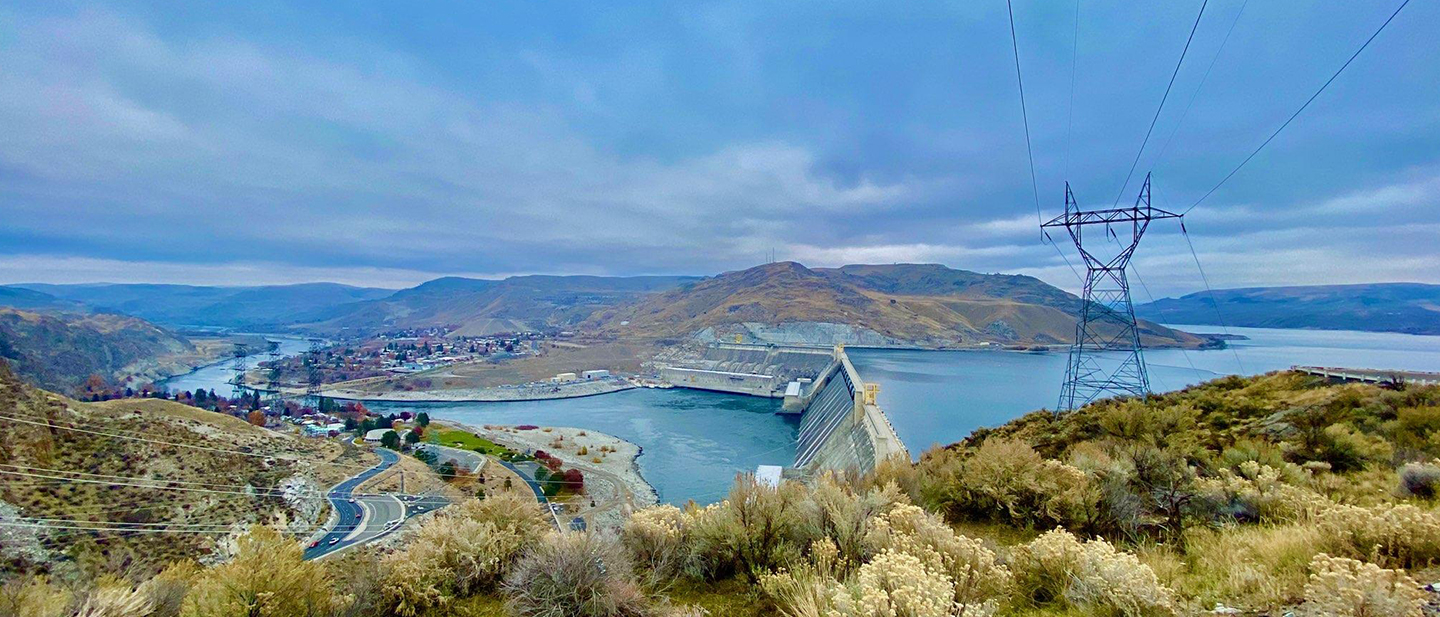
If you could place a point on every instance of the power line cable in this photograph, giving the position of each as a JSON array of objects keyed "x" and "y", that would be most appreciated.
[
  {"x": 1196, "y": 94},
  {"x": 1024, "y": 115},
  {"x": 1206, "y": 280},
  {"x": 1302, "y": 108},
  {"x": 1163, "y": 98},
  {"x": 1070, "y": 107}
]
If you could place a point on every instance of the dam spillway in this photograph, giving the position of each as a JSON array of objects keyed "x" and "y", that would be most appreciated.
[{"x": 842, "y": 428}]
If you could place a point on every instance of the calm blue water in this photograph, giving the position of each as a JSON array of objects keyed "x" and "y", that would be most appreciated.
[
  {"x": 694, "y": 442},
  {"x": 217, "y": 376},
  {"x": 939, "y": 397}
]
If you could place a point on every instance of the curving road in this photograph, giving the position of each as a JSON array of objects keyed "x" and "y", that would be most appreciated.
[{"x": 363, "y": 518}]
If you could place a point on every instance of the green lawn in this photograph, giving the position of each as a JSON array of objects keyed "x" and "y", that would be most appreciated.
[{"x": 466, "y": 440}]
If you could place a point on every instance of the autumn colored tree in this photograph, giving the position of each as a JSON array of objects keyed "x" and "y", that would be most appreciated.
[{"x": 256, "y": 417}]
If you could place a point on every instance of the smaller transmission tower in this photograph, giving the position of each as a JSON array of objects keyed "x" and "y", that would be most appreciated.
[
  {"x": 1106, "y": 326},
  {"x": 277, "y": 398},
  {"x": 313, "y": 375},
  {"x": 239, "y": 365}
]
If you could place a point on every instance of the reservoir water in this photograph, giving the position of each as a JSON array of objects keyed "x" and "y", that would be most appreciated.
[{"x": 695, "y": 442}]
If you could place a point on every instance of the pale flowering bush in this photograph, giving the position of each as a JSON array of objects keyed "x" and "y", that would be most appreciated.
[
  {"x": 1341, "y": 587},
  {"x": 1058, "y": 567},
  {"x": 1399, "y": 535},
  {"x": 914, "y": 564},
  {"x": 834, "y": 511},
  {"x": 973, "y": 573},
  {"x": 465, "y": 551},
  {"x": 758, "y": 528},
  {"x": 897, "y": 584}
]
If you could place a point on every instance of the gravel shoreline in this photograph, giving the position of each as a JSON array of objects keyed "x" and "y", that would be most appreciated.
[
  {"x": 499, "y": 394},
  {"x": 618, "y": 459}
]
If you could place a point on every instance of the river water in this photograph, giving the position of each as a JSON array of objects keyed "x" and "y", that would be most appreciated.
[{"x": 695, "y": 442}]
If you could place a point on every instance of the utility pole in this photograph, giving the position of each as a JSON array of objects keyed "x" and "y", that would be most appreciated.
[{"x": 1106, "y": 324}]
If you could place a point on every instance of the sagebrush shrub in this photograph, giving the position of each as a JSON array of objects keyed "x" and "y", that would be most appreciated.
[
  {"x": 1002, "y": 479},
  {"x": 1341, "y": 587},
  {"x": 462, "y": 552},
  {"x": 1093, "y": 575},
  {"x": 574, "y": 574},
  {"x": 267, "y": 577},
  {"x": 1399, "y": 535},
  {"x": 1419, "y": 480}
]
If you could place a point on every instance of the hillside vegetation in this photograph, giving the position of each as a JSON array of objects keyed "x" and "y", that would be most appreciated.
[
  {"x": 96, "y": 444},
  {"x": 921, "y": 304},
  {"x": 59, "y": 351},
  {"x": 1268, "y": 495},
  {"x": 225, "y": 307},
  {"x": 1412, "y": 308}
]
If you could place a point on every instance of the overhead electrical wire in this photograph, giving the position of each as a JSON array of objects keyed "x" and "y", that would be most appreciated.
[
  {"x": 1301, "y": 109},
  {"x": 1024, "y": 115},
  {"x": 1196, "y": 94},
  {"x": 1163, "y": 98},
  {"x": 1070, "y": 107}
]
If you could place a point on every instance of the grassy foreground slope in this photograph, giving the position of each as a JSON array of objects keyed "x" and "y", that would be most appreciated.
[
  {"x": 232, "y": 490},
  {"x": 1264, "y": 495}
]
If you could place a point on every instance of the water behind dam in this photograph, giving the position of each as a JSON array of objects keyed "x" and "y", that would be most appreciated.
[{"x": 695, "y": 442}]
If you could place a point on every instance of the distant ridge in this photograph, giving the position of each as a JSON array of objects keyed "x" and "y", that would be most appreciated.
[
  {"x": 262, "y": 307},
  {"x": 903, "y": 304},
  {"x": 1412, "y": 308}
]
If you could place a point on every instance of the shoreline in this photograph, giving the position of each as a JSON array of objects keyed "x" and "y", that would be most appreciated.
[
  {"x": 616, "y": 483},
  {"x": 498, "y": 394}
]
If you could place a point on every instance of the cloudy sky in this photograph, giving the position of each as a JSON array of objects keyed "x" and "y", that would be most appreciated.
[{"x": 388, "y": 143}]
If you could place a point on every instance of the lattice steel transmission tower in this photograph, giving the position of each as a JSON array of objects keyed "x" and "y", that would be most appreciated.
[
  {"x": 277, "y": 397},
  {"x": 240, "y": 364},
  {"x": 313, "y": 375},
  {"x": 1106, "y": 329}
]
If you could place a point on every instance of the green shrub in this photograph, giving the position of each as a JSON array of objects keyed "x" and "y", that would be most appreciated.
[{"x": 1004, "y": 480}]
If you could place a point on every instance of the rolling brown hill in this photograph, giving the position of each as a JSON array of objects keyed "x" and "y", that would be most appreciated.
[
  {"x": 77, "y": 438},
  {"x": 59, "y": 350},
  {"x": 911, "y": 304},
  {"x": 482, "y": 306}
]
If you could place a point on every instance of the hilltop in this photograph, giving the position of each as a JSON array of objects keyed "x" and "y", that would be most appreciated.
[
  {"x": 484, "y": 306},
  {"x": 274, "y": 459},
  {"x": 1411, "y": 308},
  {"x": 904, "y": 304},
  {"x": 59, "y": 350}
]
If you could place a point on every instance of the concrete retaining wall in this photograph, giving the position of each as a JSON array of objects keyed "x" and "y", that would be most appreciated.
[{"x": 721, "y": 381}]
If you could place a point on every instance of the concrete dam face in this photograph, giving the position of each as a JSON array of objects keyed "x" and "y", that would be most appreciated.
[{"x": 841, "y": 426}]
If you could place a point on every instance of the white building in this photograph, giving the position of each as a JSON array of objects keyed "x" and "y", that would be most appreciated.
[
  {"x": 595, "y": 374},
  {"x": 376, "y": 435},
  {"x": 563, "y": 377}
]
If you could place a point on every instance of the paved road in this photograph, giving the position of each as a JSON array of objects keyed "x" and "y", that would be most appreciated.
[
  {"x": 526, "y": 471},
  {"x": 469, "y": 459},
  {"x": 363, "y": 518}
]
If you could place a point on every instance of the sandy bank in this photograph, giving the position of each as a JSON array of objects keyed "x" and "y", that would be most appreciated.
[{"x": 612, "y": 475}]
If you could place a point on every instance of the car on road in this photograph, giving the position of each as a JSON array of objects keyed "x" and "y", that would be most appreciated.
[
  {"x": 357, "y": 515},
  {"x": 333, "y": 541},
  {"x": 315, "y": 544},
  {"x": 352, "y": 500}
]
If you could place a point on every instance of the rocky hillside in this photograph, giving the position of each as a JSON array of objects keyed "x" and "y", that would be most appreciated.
[
  {"x": 198, "y": 518},
  {"x": 252, "y": 308},
  {"x": 919, "y": 304},
  {"x": 483, "y": 306},
  {"x": 59, "y": 351},
  {"x": 1412, "y": 308}
]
